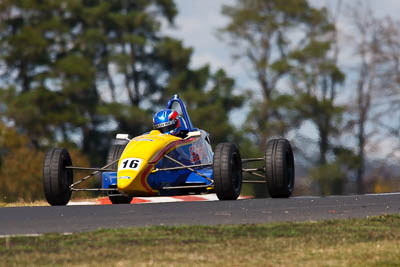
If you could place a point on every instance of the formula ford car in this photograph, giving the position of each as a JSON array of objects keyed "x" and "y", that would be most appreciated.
[{"x": 157, "y": 164}]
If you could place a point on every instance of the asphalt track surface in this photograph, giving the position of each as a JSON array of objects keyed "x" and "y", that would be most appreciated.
[{"x": 67, "y": 219}]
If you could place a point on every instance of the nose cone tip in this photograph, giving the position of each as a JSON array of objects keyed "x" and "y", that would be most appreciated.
[
  {"x": 124, "y": 181},
  {"x": 122, "y": 185}
]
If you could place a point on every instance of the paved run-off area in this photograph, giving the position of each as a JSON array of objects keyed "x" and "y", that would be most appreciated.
[{"x": 66, "y": 219}]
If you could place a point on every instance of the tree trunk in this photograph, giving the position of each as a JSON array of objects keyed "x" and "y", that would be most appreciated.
[
  {"x": 323, "y": 145},
  {"x": 361, "y": 158}
]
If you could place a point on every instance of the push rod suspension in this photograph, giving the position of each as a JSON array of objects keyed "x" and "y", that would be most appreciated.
[
  {"x": 253, "y": 172},
  {"x": 92, "y": 174},
  {"x": 90, "y": 169},
  {"x": 191, "y": 169},
  {"x": 183, "y": 167},
  {"x": 251, "y": 160},
  {"x": 185, "y": 186},
  {"x": 94, "y": 189}
]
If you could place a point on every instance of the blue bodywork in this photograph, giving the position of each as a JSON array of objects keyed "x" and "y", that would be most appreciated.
[{"x": 198, "y": 152}]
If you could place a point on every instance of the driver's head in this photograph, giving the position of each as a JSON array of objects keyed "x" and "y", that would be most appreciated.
[{"x": 167, "y": 121}]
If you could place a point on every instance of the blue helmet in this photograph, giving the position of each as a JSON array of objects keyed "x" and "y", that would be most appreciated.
[{"x": 167, "y": 121}]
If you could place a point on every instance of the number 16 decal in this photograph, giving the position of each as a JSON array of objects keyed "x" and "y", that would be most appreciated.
[{"x": 130, "y": 164}]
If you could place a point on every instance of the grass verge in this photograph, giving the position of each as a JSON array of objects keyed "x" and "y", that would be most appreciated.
[
  {"x": 352, "y": 242},
  {"x": 24, "y": 204}
]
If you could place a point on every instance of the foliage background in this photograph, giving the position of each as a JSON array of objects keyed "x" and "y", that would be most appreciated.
[{"x": 74, "y": 73}]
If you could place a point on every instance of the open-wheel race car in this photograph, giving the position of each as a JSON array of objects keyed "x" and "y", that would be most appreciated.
[{"x": 160, "y": 164}]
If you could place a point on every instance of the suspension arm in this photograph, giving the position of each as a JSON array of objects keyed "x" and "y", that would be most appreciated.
[
  {"x": 183, "y": 167},
  {"x": 189, "y": 168},
  {"x": 71, "y": 187}
]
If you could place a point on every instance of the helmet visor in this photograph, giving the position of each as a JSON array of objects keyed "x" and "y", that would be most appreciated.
[{"x": 166, "y": 126}]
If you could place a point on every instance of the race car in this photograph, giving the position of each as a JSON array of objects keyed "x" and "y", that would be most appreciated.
[{"x": 160, "y": 164}]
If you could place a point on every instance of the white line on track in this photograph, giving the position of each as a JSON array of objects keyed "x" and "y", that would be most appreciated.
[
  {"x": 78, "y": 203},
  {"x": 383, "y": 194}
]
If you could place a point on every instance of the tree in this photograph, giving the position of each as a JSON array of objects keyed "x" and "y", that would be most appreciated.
[
  {"x": 61, "y": 52},
  {"x": 290, "y": 44},
  {"x": 367, "y": 49},
  {"x": 375, "y": 43},
  {"x": 21, "y": 166},
  {"x": 210, "y": 107},
  {"x": 87, "y": 69},
  {"x": 388, "y": 82},
  {"x": 315, "y": 78},
  {"x": 261, "y": 33}
]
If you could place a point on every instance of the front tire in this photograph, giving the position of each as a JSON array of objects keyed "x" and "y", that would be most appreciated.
[
  {"x": 279, "y": 168},
  {"x": 115, "y": 153},
  {"x": 227, "y": 171},
  {"x": 56, "y": 178}
]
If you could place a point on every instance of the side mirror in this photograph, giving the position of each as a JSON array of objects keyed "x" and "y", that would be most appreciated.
[
  {"x": 193, "y": 134},
  {"x": 123, "y": 137}
]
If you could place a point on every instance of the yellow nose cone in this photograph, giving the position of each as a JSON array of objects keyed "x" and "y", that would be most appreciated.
[
  {"x": 131, "y": 176},
  {"x": 134, "y": 167},
  {"x": 124, "y": 180}
]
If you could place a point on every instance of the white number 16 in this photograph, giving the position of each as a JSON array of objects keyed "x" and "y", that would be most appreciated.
[{"x": 130, "y": 164}]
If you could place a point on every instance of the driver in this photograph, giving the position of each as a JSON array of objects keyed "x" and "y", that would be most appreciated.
[{"x": 167, "y": 121}]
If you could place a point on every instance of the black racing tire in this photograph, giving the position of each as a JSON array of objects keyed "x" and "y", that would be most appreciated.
[
  {"x": 227, "y": 171},
  {"x": 56, "y": 178},
  {"x": 279, "y": 168},
  {"x": 115, "y": 153}
]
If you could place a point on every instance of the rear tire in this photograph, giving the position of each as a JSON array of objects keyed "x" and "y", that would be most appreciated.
[
  {"x": 56, "y": 178},
  {"x": 279, "y": 168},
  {"x": 227, "y": 171},
  {"x": 115, "y": 153}
]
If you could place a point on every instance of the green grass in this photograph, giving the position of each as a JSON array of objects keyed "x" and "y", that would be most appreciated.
[{"x": 353, "y": 242}]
